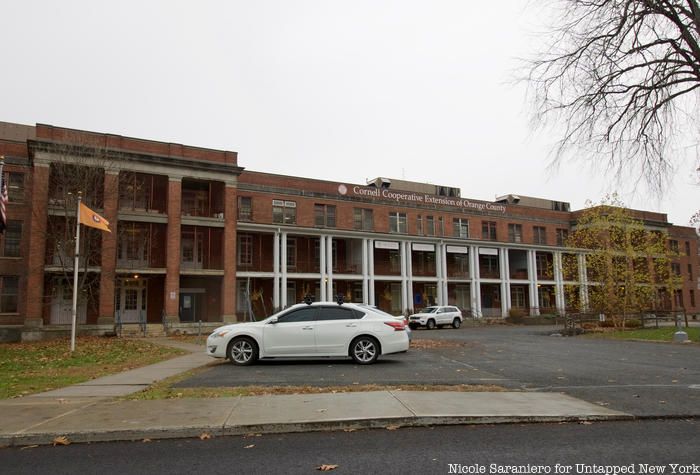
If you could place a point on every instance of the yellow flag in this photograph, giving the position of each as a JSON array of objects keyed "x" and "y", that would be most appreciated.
[{"x": 89, "y": 218}]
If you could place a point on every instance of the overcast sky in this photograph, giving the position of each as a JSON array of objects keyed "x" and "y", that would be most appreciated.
[{"x": 338, "y": 90}]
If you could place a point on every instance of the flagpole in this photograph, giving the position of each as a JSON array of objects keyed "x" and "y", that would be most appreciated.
[{"x": 75, "y": 275}]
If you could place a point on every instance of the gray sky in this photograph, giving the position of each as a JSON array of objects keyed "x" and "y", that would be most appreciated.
[{"x": 337, "y": 90}]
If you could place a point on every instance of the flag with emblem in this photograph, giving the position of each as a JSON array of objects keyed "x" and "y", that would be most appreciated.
[{"x": 89, "y": 218}]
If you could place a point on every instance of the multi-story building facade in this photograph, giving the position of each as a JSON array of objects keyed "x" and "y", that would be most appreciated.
[{"x": 198, "y": 238}]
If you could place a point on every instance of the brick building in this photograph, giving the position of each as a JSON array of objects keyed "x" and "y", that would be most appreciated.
[{"x": 198, "y": 238}]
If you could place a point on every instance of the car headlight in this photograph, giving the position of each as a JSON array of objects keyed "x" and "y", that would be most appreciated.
[{"x": 219, "y": 333}]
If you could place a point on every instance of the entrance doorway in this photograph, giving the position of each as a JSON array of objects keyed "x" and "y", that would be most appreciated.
[
  {"x": 191, "y": 301},
  {"x": 131, "y": 300},
  {"x": 62, "y": 306}
]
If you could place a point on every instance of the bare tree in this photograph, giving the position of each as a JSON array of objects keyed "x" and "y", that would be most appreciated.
[
  {"x": 622, "y": 77},
  {"x": 77, "y": 166}
]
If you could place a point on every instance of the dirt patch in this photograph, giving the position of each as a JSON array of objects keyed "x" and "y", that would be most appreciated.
[{"x": 424, "y": 344}]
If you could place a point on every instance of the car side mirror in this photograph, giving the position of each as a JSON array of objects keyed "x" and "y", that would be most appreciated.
[{"x": 273, "y": 320}]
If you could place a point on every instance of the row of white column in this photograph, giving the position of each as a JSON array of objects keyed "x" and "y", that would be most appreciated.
[{"x": 406, "y": 277}]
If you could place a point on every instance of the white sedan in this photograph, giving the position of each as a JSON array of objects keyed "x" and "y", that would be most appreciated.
[{"x": 321, "y": 329}]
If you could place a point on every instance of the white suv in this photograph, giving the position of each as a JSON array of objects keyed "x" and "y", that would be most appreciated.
[{"x": 437, "y": 315}]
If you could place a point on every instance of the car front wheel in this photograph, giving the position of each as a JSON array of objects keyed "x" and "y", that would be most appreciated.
[
  {"x": 364, "y": 350},
  {"x": 243, "y": 351},
  {"x": 431, "y": 324},
  {"x": 456, "y": 323}
]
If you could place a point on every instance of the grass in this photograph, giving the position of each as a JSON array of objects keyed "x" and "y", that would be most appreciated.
[
  {"x": 164, "y": 389},
  {"x": 31, "y": 367},
  {"x": 649, "y": 334}
]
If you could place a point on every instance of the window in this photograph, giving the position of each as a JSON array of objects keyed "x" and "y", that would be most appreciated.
[
  {"x": 488, "y": 230},
  {"x": 245, "y": 249},
  {"x": 245, "y": 208},
  {"x": 284, "y": 212},
  {"x": 441, "y": 226},
  {"x": 562, "y": 236},
  {"x": 687, "y": 248},
  {"x": 692, "y": 298},
  {"x": 429, "y": 226},
  {"x": 515, "y": 232},
  {"x": 397, "y": 223},
  {"x": 419, "y": 225},
  {"x": 324, "y": 215},
  {"x": 540, "y": 234},
  {"x": 301, "y": 315},
  {"x": 690, "y": 272},
  {"x": 13, "y": 237},
  {"x": 673, "y": 244},
  {"x": 460, "y": 228},
  {"x": 8, "y": 294},
  {"x": 676, "y": 268},
  {"x": 679, "y": 298},
  {"x": 291, "y": 252},
  {"x": 336, "y": 313},
  {"x": 363, "y": 219},
  {"x": 15, "y": 187}
]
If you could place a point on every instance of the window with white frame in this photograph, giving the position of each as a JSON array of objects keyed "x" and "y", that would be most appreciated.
[
  {"x": 284, "y": 212},
  {"x": 324, "y": 215},
  {"x": 460, "y": 228},
  {"x": 397, "y": 223},
  {"x": 245, "y": 249},
  {"x": 8, "y": 293},
  {"x": 245, "y": 208},
  {"x": 363, "y": 219}
]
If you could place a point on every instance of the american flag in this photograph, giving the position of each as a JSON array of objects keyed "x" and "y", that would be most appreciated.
[{"x": 3, "y": 198}]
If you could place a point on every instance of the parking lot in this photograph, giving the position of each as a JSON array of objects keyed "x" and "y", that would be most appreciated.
[{"x": 642, "y": 378}]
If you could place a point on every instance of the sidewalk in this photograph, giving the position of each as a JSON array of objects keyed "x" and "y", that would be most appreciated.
[{"x": 88, "y": 412}]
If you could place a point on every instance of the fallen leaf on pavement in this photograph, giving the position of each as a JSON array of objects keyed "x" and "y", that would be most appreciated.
[
  {"x": 392, "y": 427},
  {"x": 249, "y": 446},
  {"x": 61, "y": 440},
  {"x": 586, "y": 423},
  {"x": 29, "y": 447},
  {"x": 326, "y": 467},
  {"x": 145, "y": 441},
  {"x": 205, "y": 436},
  {"x": 349, "y": 430}
]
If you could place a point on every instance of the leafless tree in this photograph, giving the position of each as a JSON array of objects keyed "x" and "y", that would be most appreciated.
[{"x": 622, "y": 78}]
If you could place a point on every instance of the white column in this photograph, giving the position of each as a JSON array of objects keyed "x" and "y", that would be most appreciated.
[
  {"x": 474, "y": 285},
  {"x": 402, "y": 248},
  {"x": 370, "y": 271},
  {"x": 329, "y": 266},
  {"x": 534, "y": 297},
  {"x": 283, "y": 267},
  {"x": 558, "y": 283},
  {"x": 443, "y": 257},
  {"x": 505, "y": 285},
  {"x": 365, "y": 272},
  {"x": 506, "y": 276},
  {"x": 583, "y": 281},
  {"x": 276, "y": 271},
  {"x": 322, "y": 255},
  {"x": 409, "y": 276}
]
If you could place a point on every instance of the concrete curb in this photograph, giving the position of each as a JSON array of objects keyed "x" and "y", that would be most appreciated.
[{"x": 45, "y": 438}]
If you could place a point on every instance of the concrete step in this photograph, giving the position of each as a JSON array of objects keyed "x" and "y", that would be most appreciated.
[{"x": 135, "y": 330}]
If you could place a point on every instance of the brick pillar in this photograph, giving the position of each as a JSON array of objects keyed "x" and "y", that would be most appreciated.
[
  {"x": 228, "y": 286},
  {"x": 109, "y": 250},
  {"x": 37, "y": 246},
  {"x": 172, "y": 278}
]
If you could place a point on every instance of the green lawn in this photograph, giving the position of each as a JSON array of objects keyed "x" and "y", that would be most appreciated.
[
  {"x": 33, "y": 367},
  {"x": 651, "y": 334}
]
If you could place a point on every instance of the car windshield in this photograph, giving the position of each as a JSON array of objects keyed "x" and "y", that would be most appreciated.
[{"x": 430, "y": 310}]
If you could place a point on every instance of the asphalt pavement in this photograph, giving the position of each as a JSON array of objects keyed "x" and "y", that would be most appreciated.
[{"x": 549, "y": 377}]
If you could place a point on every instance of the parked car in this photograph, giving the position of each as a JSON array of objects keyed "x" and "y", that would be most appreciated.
[
  {"x": 321, "y": 329},
  {"x": 400, "y": 318},
  {"x": 436, "y": 316}
]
